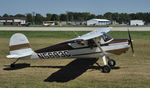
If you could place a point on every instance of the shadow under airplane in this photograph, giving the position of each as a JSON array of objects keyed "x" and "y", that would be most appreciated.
[
  {"x": 66, "y": 73},
  {"x": 17, "y": 66},
  {"x": 74, "y": 69},
  {"x": 71, "y": 70}
]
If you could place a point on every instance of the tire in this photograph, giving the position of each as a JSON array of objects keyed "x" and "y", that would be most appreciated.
[
  {"x": 111, "y": 63},
  {"x": 106, "y": 69}
]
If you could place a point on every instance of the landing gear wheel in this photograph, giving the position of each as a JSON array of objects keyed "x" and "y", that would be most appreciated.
[
  {"x": 111, "y": 63},
  {"x": 106, "y": 69},
  {"x": 12, "y": 65}
]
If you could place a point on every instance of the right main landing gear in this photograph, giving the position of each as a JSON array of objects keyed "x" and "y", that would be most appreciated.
[
  {"x": 106, "y": 69},
  {"x": 111, "y": 64}
]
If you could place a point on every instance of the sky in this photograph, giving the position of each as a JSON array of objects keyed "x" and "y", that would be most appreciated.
[{"x": 13, "y": 7}]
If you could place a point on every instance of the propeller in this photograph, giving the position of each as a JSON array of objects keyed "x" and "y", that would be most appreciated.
[{"x": 130, "y": 42}]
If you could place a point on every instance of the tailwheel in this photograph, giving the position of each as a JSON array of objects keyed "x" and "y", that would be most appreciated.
[
  {"x": 13, "y": 64},
  {"x": 106, "y": 69},
  {"x": 111, "y": 62}
]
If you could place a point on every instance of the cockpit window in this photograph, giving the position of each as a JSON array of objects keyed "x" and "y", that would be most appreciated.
[{"x": 106, "y": 37}]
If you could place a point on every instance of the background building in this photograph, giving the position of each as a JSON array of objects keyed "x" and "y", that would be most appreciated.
[
  {"x": 136, "y": 22},
  {"x": 12, "y": 20},
  {"x": 94, "y": 22}
]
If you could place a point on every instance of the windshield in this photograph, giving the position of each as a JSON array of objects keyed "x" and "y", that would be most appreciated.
[{"x": 106, "y": 37}]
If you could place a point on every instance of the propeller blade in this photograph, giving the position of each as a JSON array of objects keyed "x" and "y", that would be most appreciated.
[
  {"x": 129, "y": 35},
  {"x": 130, "y": 42},
  {"x": 132, "y": 47}
]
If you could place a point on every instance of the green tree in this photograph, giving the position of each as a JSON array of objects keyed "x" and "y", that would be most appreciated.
[
  {"x": 11, "y": 15},
  {"x": 5, "y": 15},
  {"x": 19, "y": 15},
  {"x": 38, "y": 19},
  {"x": 86, "y": 16},
  {"x": 70, "y": 16},
  {"x": 48, "y": 17},
  {"x": 99, "y": 16},
  {"x": 108, "y": 15},
  {"x": 29, "y": 17},
  {"x": 63, "y": 17},
  {"x": 147, "y": 18},
  {"x": 55, "y": 17},
  {"x": 124, "y": 18},
  {"x": 91, "y": 16},
  {"x": 115, "y": 17}
]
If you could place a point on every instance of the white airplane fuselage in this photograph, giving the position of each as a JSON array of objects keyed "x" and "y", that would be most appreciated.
[{"x": 75, "y": 50}]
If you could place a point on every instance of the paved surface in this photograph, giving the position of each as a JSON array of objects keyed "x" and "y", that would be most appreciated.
[{"x": 71, "y": 28}]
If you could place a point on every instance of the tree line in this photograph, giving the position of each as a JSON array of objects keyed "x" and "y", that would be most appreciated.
[{"x": 121, "y": 18}]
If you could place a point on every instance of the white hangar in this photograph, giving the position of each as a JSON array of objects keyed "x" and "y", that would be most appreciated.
[
  {"x": 95, "y": 22},
  {"x": 136, "y": 22}
]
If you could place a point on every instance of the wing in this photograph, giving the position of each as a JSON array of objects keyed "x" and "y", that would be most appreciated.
[{"x": 94, "y": 34}]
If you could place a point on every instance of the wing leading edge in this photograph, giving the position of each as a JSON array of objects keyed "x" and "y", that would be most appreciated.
[{"x": 94, "y": 34}]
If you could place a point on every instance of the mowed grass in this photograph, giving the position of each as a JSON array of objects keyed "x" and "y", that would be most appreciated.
[{"x": 134, "y": 71}]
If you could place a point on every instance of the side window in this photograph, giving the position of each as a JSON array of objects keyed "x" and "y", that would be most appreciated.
[{"x": 105, "y": 38}]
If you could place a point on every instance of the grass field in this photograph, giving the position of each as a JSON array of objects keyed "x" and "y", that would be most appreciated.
[{"x": 134, "y": 71}]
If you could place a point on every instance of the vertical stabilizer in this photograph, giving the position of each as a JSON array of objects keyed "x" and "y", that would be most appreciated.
[{"x": 19, "y": 46}]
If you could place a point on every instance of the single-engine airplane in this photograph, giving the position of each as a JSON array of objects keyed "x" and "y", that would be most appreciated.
[{"x": 94, "y": 44}]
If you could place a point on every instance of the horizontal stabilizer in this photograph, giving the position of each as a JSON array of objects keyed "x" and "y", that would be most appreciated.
[{"x": 19, "y": 55}]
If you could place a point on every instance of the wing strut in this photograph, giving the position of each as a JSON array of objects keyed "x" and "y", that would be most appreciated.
[{"x": 99, "y": 46}]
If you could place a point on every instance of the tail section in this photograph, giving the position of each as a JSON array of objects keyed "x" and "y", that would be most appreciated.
[{"x": 19, "y": 46}]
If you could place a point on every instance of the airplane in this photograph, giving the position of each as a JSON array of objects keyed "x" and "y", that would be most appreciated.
[{"x": 95, "y": 44}]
